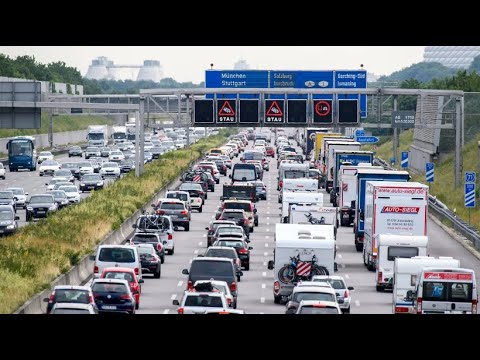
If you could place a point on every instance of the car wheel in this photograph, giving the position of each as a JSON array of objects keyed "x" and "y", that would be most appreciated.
[
  {"x": 247, "y": 266},
  {"x": 172, "y": 251},
  {"x": 162, "y": 259},
  {"x": 277, "y": 299},
  {"x": 187, "y": 227},
  {"x": 137, "y": 305},
  {"x": 217, "y": 181},
  {"x": 256, "y": 223},
  {"x": 157, "y": 273},
  {"x": 379, "y": 288},
  {"x": 251, "y": 229},
  {"x": 41, "y": 174},
  {"x": 239, "y": 278},
  {"x": 346, "y": 311},
  {"x": 200, "y": 209}
]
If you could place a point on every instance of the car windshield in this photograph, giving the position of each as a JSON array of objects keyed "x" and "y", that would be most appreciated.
[
  {"x": 229, "y": 230},
  {"x": 211, "y": 268},
  {"x": 45, "y": 153},
  {"x": 70, "y": 311},
  {"x": 6, "y": 215},
  {"x": 235, "y": 244},
  {"x": 144, "y": 238},
  {"x": 110, "y": 165},
  {"x": 41, "y": 200},
  {"x": 16, "y": 191},
  {"x": 49, "y": 163},
  {"x": 244, "y": 174},
  {"x": 172, "y": 206},
  {"x": 237, "y": 206},
  {"x": 253, "y": 156},
  {"x": 91, "y": 177},
  {"x": 6, "y": 195},
  {"x": 117, "y": 254},
  {"x": 70, "y": 165},
  {"x": 119, "y": 275},
  {"x": 294, "y": 174},
  {"x": 228, "y": 253},
  {"x": 179, "y": 196},
  {"x": 72, "y": 296},
  {"x": 232, "y": 215},
  {"x": 203, "y": 301},
  {"x": 145, "y": 250},
  {"x": 62, "y": 173},
  {"x": 76, "y": 148},
  {"x": 299, "y": 296},
  {"x": 58, "y": 194},
  {"x": 318, "y": 310},
  {"x": 191, "y": 187},
  {"x": 92, "y": 149},
  {"x": 116, "y": 153},
  {"x": 68, "y": 188},
  {"x": 85, "y": 164}
]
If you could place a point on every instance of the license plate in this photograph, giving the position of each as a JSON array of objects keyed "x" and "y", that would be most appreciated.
[
  {"x": 174, "y": 217},
  {"x": 1, "y": 231},
  {"x": 40, "y": 212},
  {"x": 109, "y": 307},
  {"x": 345, "y": 216}
]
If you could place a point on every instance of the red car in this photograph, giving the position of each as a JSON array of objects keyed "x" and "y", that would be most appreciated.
[
  {"x": 270, "y": 151},
  {"x": 125, "y": 274}
]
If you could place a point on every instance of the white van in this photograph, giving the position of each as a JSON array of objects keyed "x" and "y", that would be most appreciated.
[
  {"x": 405, "y": 276},
  {"x": 301, "y": 251},
  {"x": 298, "y": 185},
  {"x": 117, "y": 256},
  {"x": 391, "y": 247},
  {"x": 297, "y": 198},
  {"x": 446, "y": 291}
]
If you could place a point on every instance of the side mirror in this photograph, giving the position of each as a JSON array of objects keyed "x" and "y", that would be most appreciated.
[
  {"x": 92, "y": 257},
  {"x": 152, "y": 205},
  {"x": 26, "y": 194},
  {"x": 175, "y": 228},
  {"x": 164, "y": 242},
  {"x": 185, "y": 271},
  {"x": 200, "y": 255},
  {"x": 270, "y": 265},
  {"x": 255, "y": 211},
  {"x": 17, "y": 217},
  {"x": 46, "y": 300},
  {"x": 46, "y": 184},
  {"x": 241, "y": 159},
  {"x": 230, "y": 176},
  {"x": 240, "y": 273},
  {"x": 141, "y": 281},
  {"x": 250, "y": 247},
  {"x": 350, "y": 288},
  {"x": 207, "y": 228},
  {"x": 176, "y": 302}
]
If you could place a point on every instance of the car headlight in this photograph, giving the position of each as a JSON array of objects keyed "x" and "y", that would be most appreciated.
[
  {"x": 11, "y": 227},
  {"x": 82, "y": 184},
  {"x": 51, "y": 208},
  {"x": 100, "y": 184},
  {"x": 29, "y": 208}
]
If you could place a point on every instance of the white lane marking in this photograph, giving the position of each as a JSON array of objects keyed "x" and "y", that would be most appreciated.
[
  {"x": 213, "y": 216},
  {"x": 357, "y": 303},
  {"x": 267, "y": 237},
  {"x": 261, "y": 313},
  {"x": 268, "y": 224},
  {"x": 173, "y": 297},
  {"x": 265, "y": 253},
  {"x": 264, "y": 263},
  {"x": 180, "y": 283},
  {"x": 343, "y": 266},
  {"x": 191, "y": 260},
  {"x": 204, "y": 235},
  {"x": 268, "y": 218},
  {"x": 268, "y": 229},
  {"x": 264, "y": 286},
  {"x": 264, "y": 273},
  {"x": 196, "y": 252},
  {"x": 339, "y": 256},
  {"x": 262, "y": 300},
  {"x": 200, "y": 243},
  {"x": 266, "y": 244},
  {"x": 166, "y": 311},
  {"x": 346, "y": 276},
  {"x": 268, "y": 212}
]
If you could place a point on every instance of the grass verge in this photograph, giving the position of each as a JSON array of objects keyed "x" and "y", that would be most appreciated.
[{"x": 39, "y": 253}]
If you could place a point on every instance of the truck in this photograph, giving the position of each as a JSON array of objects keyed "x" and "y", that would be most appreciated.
[
  {"x": 297, "y": 198},
  {"x": 347, "y": 191},
  {"x": 119, "y": 134},
  {"x": 309, "y": 140},
  {"x": 301, "y": 184},
  {"x": 393, "y": 208},
  {"x": 405, "y": 274},
  {"x": 331, "y": 146},
  {"x": 322, "y": 162},
  {"x": 318, "y": 143},
  {"x": 347, "y": 157},
  {"x": 240, "y": 192},
  {"x": 301, "y": 251},
  {"x": 392, "y": 246},
  {"x": 130, "y": 127},
  {"x": 97, "y": 135},
  {"x": 364, "y": 175}
]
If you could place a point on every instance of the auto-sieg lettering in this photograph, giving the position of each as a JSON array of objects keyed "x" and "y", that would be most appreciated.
[{"x": 401, "y": 209}]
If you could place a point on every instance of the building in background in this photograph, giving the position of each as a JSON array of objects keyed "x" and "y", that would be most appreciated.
[
  {"x": 455, "y": 57},
  {"x": 241, "y": 65},
  {"x": 103, "y": 68}
]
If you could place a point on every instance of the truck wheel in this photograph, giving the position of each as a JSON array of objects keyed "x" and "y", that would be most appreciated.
[
  {"x": 187, "y": 227},
  {"x": 277, "y": 299},
  {"x": 379, "y": 288},
  {"x": 358, "y": 246},
  {"x": 157, "y": 274},
  {"x": 200, "y": 209},
  {"x": 364, "y": 259}
]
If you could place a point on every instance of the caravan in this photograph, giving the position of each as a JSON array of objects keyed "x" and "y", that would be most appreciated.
[
  {"x": 298, "y": 185},
  {"x": 297, "y": 198}
]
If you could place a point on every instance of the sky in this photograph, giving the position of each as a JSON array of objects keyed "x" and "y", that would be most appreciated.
[{"x": 188, "y": 63}]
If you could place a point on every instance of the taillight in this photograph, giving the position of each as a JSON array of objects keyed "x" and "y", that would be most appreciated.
[
  {"x": 360, "y": 239},
  {"x": 400, "y": 309},
  {"x": 229, "y": 301},
  {"x": 474, "y": 306},
  {"x": 136, "y": 271},
  {"x": 251, "y": 208},
  {"x": 200, "y": 192},
  {"x": 233, "y": 286},
  {"x": 184, "y": 212},
  {"x": 190, "y": 285},
  {"x": 125, "y": 297},
  {"x": 90, "y": 299},
  {"x": 159, "y": 247},
  {"x": 170, "y": 237},
  {"x": 280, "y": 184},
  {"x": 160, "y": 212},
  {"x": 245, "y": 221},
  {"x": 379, "y": 280},
  {"x": 243, "y": 251},
  {"x": 276, "y": 287},
  {"x": 52, "y": 298},
  {"x": 180, "y": 310},
  {"x": 345, "y": 295},
  {"x": 419, "y": 305},
  {"x": 95, "y": 269}
]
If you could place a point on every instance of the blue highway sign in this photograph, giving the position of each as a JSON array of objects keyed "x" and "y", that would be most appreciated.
[
  {"x": 470, "y": 195},
  {"x": 430, "y": 172},
  {"x": 367, "y": 139},
  {"x": 470, "y": 176},
  {"x": 404, "y": 159}
]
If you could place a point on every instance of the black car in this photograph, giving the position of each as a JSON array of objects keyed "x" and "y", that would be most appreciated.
[
  {"x": 7, "y": 198},
  {"x": 225, "y": 252},
  {"x": 149, "y": 238},
  {"x": 91, "y": 182},
  {"x": 149, "y": 260},
  {"x": 8, "y": 220},
  {"x": 73, "y": 167},
  {"x": 39, "y": 206},
  {"x": 126, "y": 166},
  {"x": 60, "y": 197},
  {"x": 241, "y": 246},
  {"x": 195, "y": 189},
  {"x": 157, "y": 151},
  {"x": 75, "y": 151},
  {"x": 213, "y": 227}
]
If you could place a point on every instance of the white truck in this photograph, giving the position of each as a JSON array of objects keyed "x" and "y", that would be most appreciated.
[
  {"x": 332, "y": 145},
  {"x": 97, "y": 135},
  {"x": 405, "y": 275},
  {"x": 130, "y": 127},
  {"x": 399, "y": 208},
  {"x": 392, "y": 246},
  {"x": 302, "y": 184},
  {"x": 297, "y": 198},
  {"x": 324, "y": 152},
  {"x": 119, "y": 134},
  {"x": 301, "y": 251}
]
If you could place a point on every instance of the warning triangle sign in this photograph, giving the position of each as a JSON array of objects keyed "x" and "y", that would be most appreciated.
[
  {"x": 274, "y": 110},
  {"x": 226, "y": 109}
]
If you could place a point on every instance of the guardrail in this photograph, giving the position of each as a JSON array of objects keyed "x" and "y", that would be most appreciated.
[{"x": 444, "y": 213}]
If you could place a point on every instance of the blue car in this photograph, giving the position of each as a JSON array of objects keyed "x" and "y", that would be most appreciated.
[
  {"x": 261, "y": 190},
  {"x": 113, "y": 296}
]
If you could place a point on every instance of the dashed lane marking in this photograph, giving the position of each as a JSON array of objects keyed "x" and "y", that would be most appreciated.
[
  {"x": 268, "y": 229},
  {"x": 166, "y": 311},
  {"x": 204, "y": 235},
  {"x": 339, "y": 256},
  {"x": 268, "y": 212},
  {"x": 180, "y": 283},
  {"x": 264, "y": 273},
  {"x": 266, "y": 244},
  {"x": 264, "y": 263},
  {"x": 262, "y": 300},
  {"x": 357, "y": 303},
  {"x": 200, "y": 243},
  {"x": 196, "y": 252},
  {"x": 173, "y": 297},
  {"x": 264, "y": 286},
  {"x": 267, "y": 237},
  {"x": 265, "y": 253}
]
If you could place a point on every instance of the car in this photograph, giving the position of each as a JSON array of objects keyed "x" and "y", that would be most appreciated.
[
  {"x": 20, "y": 196},
  {"x": 241, "y": 247},
  {"x": 7, "y": 198},
  {"x": 160, "y": 225},
  {"x": 73, "y": 167},
  {"x": 105, "y": 152},
  {"x": 116, "y": 255},
  {"x": 44, "y": 156},
  {"x": 72, "y": 193},
  {"x": 212, "y": 227},
  {"x": 8, "y": 220},
  {"x": 147, "y": 145},
  {"x": 149, "y": 238},
  {"x": 51, "y": 184},
  {"x": 222, "y": 168},
  {"x": 110, "y": 169},
  {"x": 157, "y": 151},
  {"x": 207, "y": 178},
  {"x": 183, "y": 196},
  {"x": 71, "y": 294},
  {"x": 65, "y": 174},
  {"x": 75, "y": 151},
  {"x": 212, "y": 167},
  {"x": 128, "y": 275},
  {"x": 235, "y": 231},
  {"x": 176, "y": 209},
  {"x": 113, "y": 295},
  {"x": 116, "y": 156},
  {"x": 225, "y": 252},
  {"x": 57, "y": 185},
  {"x": 238, "y": 216},
  {"x": 195, "y": 190},
  {"x": 200, "y": 301},
  {"x": 92, "y": 151},
  {"x": 149, "y": 259},
  {"x": 2, "y": 171},
  {"x": 198, "y": 177},
  {"x": 85, "y": 167},
  {"x": 313, "y": 307},
  {"x": 208, "y": 268},
  {"x": 96, "y": 164},
  {"x": 227, "y": 160},
  {"x": 246, "y": 206},
  {"x": 220, "y": 286},
  {"x": 49, "y": 167},
  {"x": 341, "y": 289},
  {"x": 260, "y": 190},
  {"x": 300, "y": 293},
  {"x": 70, "y": 308},
  {"x": 60, "y": 197},
  {"x": 91, "y": 182},
  {"x": 147, "y": 155},
  {"x": 126, "y": 166},
  {"x": 270, "y": 151}
]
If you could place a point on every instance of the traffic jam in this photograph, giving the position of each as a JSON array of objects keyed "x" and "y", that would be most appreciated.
[{"x": 228, "y": 196}]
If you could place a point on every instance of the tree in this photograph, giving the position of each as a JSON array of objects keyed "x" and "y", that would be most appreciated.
[
  {"x": 423, "y": 72},
  {"x": 475, "y": 65}
]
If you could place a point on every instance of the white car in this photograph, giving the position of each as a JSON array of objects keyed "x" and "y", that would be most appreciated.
[
  {"x": 341, "y": 289},
  {"x": 313, "y": 307},
  {"x": 180, "y": 144},
  {"x": 227, "y": 160},
  {"x": 2, "y": 171},
  {"x": 116, "y": 156},
  {"x": 44, "y": 155},
  {"x": 110, "y": 169},
  {"x": 199, "y": 302},
  {"x": 72, "y": 193},
  {"x": 49, "y": 167},
  {"x": 86, "y": 167},
  {"x": 169, "y": 145},
  {"x": 20, "y": 194},
  {"x": 55, "y": 180},
  {"x": 147, "y": 145},
  {"x": 221, "y": 286}
]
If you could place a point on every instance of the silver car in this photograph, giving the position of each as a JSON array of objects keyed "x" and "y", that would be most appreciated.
[
  {"x": 343, "y": 292},
  {"x": 20, "y": 195}
]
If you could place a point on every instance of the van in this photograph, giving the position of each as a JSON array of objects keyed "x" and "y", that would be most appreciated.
[
  {"x": 391, "y": 247},
  {"x": 291, "y": 171},
  {"x": 244, "y": 172},
  {"x": 116, "y": 256}
]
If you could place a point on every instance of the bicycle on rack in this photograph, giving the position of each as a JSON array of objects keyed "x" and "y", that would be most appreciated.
[{"x": 298, "y": 270}]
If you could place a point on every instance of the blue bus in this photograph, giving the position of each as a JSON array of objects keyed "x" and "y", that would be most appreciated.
[{"x": 21, "y": 153}]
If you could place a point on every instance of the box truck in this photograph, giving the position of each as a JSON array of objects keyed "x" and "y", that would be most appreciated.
[{"x": 331, "y": 146}]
